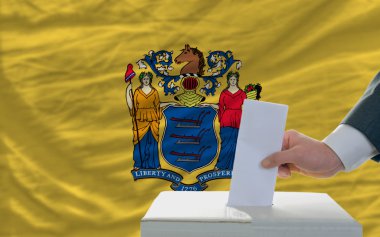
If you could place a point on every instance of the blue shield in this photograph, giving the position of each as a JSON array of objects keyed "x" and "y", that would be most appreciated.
[{"x": 189, "y": 141}]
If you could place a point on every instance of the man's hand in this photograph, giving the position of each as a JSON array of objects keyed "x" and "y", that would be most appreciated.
[{"x": 305, "y": 155}]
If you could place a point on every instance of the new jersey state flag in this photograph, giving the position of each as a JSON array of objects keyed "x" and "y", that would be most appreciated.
[{"x": 104, "y": 104}]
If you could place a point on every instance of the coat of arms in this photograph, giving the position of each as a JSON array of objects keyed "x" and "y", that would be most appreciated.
[{"x": 184, "y": 133}]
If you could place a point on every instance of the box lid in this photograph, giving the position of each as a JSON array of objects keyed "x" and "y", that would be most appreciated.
[
  {"x": 206, "y": 214},
  {"x": 211, "y": 206}
]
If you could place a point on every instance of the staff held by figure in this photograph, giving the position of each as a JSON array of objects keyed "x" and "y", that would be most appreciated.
[{"x": 129, "y": 75}]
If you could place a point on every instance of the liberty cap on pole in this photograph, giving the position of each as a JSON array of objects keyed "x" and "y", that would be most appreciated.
[{"x": 128, "y": 76}]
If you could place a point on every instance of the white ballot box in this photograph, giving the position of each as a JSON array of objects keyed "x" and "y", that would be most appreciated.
[{"x": 206, "y": 214}]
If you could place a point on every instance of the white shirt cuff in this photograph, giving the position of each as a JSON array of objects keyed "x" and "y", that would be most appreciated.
[{"x": 352, "y": 147}]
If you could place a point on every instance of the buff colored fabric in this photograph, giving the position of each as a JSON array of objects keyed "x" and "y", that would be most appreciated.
[{"x": 65, "y": 129}]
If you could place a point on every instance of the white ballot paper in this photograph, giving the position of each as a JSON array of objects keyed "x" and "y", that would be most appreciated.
[{"x": 261, "y": 131}]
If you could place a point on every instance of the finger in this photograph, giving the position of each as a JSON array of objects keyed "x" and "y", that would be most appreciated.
[
  {"x": 289, "y": 136},
  {"x": 278, "y": 158},
  {"x": 284, "y": 171},
  {"x": 285, "y": 142},
  {"x": 294, "y": 168}
]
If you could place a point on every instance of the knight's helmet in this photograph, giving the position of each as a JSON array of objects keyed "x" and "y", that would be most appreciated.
[{"x": 189, "y": 98}]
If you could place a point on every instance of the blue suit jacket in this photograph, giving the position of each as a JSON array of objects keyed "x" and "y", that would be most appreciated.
[{"x": 365, "y": 116}]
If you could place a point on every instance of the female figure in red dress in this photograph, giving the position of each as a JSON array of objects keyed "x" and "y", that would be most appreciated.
[{"x": 230, "y": 109}]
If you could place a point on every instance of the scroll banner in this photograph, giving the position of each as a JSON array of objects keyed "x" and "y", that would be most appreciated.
[{"x": 176, "y": 178}]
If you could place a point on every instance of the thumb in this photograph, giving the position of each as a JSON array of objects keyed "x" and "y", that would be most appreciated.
[{"x": 278, "y": 158}]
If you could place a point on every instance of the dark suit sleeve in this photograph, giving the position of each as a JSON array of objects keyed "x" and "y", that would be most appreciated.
[{"x": 365, "y": 116}]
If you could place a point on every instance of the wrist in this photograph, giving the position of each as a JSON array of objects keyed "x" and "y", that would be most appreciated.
[{"x": 335, "y": 163}]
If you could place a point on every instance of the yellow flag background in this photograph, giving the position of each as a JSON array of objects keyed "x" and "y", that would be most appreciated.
[{"x": 66, "y": 133}]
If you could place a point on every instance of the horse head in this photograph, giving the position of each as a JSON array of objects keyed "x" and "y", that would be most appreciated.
[
  {"x": 195, "y": 60},
  {"x": 187, "y": 55}
]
